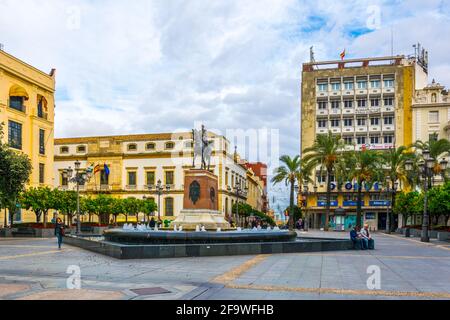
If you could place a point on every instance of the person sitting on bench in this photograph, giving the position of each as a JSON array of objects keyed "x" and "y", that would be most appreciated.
[
  {"x": 356, "y": 238},
  {"x": 367, "y": 240}
]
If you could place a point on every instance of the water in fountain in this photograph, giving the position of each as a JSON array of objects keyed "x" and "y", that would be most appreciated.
[
  {"x": 254, "y": 229},
  {"x": 239, "y": 229},
  {"x": 174, "y": 227},
  {"x": 219, "y": 230},
  {"x": 197, "y": 228},
  {"x": 203, "y": 229},
  {"x": 180, "y": 229},
  {"x": 276, "y": 228}
]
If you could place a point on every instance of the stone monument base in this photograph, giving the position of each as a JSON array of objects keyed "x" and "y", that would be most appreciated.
[{"x": 189, "y": 219}]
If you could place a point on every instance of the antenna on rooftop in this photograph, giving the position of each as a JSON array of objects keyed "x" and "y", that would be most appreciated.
[{"x": 2, "y": 47}]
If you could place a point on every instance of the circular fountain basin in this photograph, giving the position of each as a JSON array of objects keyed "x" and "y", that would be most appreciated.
[{"x": 183, "y": 237}]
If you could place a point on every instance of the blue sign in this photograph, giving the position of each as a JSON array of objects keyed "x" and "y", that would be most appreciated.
[
  {"x": 324, "y": 203},
  {"x": 332, "y": 186},
  {"x": 376, "y": 186},
  {"x": 379, "y": 203},
  {"x": 348, "y": 186},
  {"x": 351, "y": 203}
]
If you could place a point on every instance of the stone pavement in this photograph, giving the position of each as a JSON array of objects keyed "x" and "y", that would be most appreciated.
[{"x": 409, "y": 269}]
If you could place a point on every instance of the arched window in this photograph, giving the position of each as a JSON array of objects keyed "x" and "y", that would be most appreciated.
[
  {"x": 132, "y": 147},
  {"x": 42, "y": 107},
  {"x": 170, "y": 145},
  {"x": 168, "y": 207},
  {"x": 150, "y": 146},
  {"x": 17, "y": 98}
]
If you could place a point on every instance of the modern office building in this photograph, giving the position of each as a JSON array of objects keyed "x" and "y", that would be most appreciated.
[
  {"x": 27, "y": 112},
  {"x": 137, "y": 162},
  {"x": 369, "y": 103}
]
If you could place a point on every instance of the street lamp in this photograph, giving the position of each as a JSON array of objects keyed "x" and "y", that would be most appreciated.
[
  {"x": 306, "y": 193},
  {"x": 239, "y": 190},
  {"x": 390, "y": 191},
  {"x": 159, "y": 189},
  {"x": 80, "y": 178},
  {"x": 426, "y": 173}
]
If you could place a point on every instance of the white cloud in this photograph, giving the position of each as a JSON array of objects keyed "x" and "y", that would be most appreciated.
[{"x": 148, "y": 66}]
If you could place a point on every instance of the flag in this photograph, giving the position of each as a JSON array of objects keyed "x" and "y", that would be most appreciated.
[
  {"x": 106, "y": 168},
  {"x": 97, "y": 169},
  {"x": 342, "y": 55}
]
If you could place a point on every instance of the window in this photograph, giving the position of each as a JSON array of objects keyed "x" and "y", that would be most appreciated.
[
  {"x": 41, "y": 141},
  {"x": 388, "y": 120},
  {"x": 348, "y": 85},
  {"x": 16, "y": 103},
  {"x": 374, "y": 139},
  {"x": 15, "y": 135},
  {"x": 64, "y": 180},
  {"x": 348, "y": 104},
  {"x": 150, "y": 146},
  {"x": 170, "y": 145},
  {"x": 348, "y": 140},
  {"x": 362, "y": 84},
  {"x": 132, "y": 178},
  {"x": 348, "y": 122},
  {"x": 362, "y": 103},
  {"x": 388, "y": 139},
  {"x": 322, "y": 86},
  {"x": 433, "y": 137},
  {"x": 389, "y": 83},
  {"x": 64, "y": 150},
  {"x": 321, "y": 178},
  {"x": 375, "y": 84},
  {"x": 336, "y": 86},
  {"x": 361, "y": 121},
  {"x": 226, "y": 178},
  {"x": 322, "y": 105},
  {"x": 361, "y": 140},
  {"x": 322, "y": 123},
  {"x": 335, "y": 104},
  {"x": 104, "y": 178},
  {"x": 374, "y": 102},
  {"x": 40, "y": 109},
  {"x": 433, "y": 116},
  {"x": 81, "y": 149},
  {"x": 168, "y": 206},
  {"x": 189, "y": 144},
  {"x": 169, "y": 177},
  {"x": 150, "y": 178},
  {"x": 41, "y": 173},
  {"x": 334, "y": 123},
  {"x": 374, "y": 121},
  {"x": 132, "y": 147},
  {"x": 388, "y": 102}
]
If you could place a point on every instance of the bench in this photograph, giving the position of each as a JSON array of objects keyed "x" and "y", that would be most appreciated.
[{"x": 24, "y": 232}]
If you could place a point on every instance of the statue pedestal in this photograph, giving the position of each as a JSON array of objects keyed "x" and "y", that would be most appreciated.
[{"x": 200, "y": 206}]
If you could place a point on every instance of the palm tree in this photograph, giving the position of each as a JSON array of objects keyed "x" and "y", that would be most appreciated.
[
  {"x": 288, "y": 173},
  {"x": 437, "y": 148},
  {"x": 324, "y": 153},
  {"x": 365, "y": 167},
  {"x": 394, "y": 161}
]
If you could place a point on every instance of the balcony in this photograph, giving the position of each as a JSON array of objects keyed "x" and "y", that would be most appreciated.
[
  {"x": 386, "y": 109},
  {"x": 335, "y": 93},
  {"x": 105, "y": 187},
  {"x": 321, "y": 130},
  {"x": 361, "y": 129},
  {"x": 388, "y": 127},
  {"x": 321, "y": 93},
  {"x": 336, "y": 129},
  {"x": 63, "y": 188},
  {"x": 41, "y": 114},
  {"x": 374, "y": 128},
  {"x": 131, "y": 187},
  {"x": 335, "y": 111},
  {"x": 375, "y": 91},
  {"x": 321, "y": 112},
  {"x": 348, "y": 92},
  {"x": 20, "y": 108},
  {"x": 373, "y": 110},
  {"x": 388, "y": 90},
  {"x": 361, "y": 91}
]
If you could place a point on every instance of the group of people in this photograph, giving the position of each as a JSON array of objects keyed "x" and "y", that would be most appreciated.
[{"x": 362, "y": 238}]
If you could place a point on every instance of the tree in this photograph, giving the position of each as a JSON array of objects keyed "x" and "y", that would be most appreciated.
[
  {"x": 131, "y": 206},
  {"x": 439, "y": 202},
  {"x": 297, "y": 212},
  {"x": 15, "y": 169},
  {"x": 437, "y": 147},
  {"x": 66, "y": 203},
  {"x": 288, "y": 173},
  {"x": 104, "y": 205},
  {"x": 117, "y": 208},
  {"x": 148, "y": 207},
  {"x": 408, "y": 204},
  {"x": 324, "y": 153},
  {"x": 365, "y": 167},
  {"x": 394, "y": 160},
  {"x": 40, "y": 200}
]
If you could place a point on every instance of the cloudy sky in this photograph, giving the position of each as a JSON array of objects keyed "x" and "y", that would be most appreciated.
[{"x": 165, "y": 65}]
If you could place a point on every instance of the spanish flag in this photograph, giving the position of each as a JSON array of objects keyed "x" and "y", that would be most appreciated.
[
  {"x": 97, "y": 169},
  {"x": 342, "y": 55}
]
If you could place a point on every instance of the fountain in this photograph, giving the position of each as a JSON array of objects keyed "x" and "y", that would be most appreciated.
[{"x": 197, "y": 228}]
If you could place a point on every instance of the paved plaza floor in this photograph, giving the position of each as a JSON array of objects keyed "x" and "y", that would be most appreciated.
[{"x": 408, "y": 269}]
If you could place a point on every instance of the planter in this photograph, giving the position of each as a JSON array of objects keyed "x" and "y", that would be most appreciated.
[
  {"x": 407, "y": 232},
  {"x": 44, "y": 233},
  {"x": 443, "y": 236},
  {"x": 433, "y": 234},
  {"x": 99, "y": 230},
  {"x": 7, "y": 232}
]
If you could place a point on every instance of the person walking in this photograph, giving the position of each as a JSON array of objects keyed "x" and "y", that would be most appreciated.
[{"x": 59, "y": 231}]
